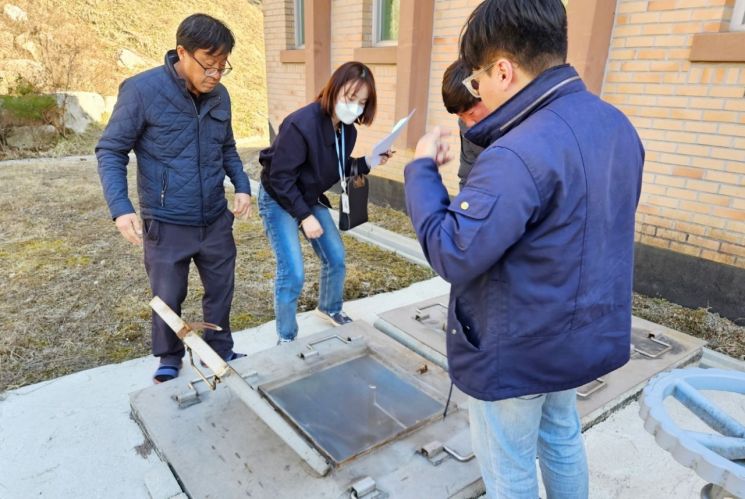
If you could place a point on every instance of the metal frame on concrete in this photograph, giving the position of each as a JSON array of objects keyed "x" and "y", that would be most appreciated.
[
  {"x": 218, "y": 446},
  {"x": 655, "y": 348},
  {"x": 226, "y": 374}
]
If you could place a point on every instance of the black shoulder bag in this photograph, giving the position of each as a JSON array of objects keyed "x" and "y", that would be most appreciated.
[{"x": 354, "y": 193}]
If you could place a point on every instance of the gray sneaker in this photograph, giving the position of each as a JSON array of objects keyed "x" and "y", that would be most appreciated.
[{"x": 337, "y": 319}]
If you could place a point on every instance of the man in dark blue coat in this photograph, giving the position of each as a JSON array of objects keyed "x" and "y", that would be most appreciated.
[
  {"x": 177, "y": 119},
  {"x": 538, "y": 246}
]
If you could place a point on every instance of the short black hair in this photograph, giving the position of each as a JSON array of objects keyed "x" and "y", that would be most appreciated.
[
  {"x": 455, "y": 96},
  {"x": 200, "y": 31},
  {"x": 533, "y": 32}
]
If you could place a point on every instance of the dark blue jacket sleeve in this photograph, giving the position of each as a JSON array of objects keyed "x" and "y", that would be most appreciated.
[
  {"x": 232, "y": 163},
  {"x": 290, "y": 154},
  {"x": 462, "y": 239},
  {"x": 118, "y": 139}
]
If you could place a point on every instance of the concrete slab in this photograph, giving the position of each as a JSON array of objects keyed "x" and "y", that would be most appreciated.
[{"x": 73, "y": 437}]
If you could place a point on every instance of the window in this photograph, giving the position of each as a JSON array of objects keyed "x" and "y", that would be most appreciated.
[
  {"x": 299, "y": 24},
  {"x": 385, "y": 22},
  {"x": 738, "y": 17}
]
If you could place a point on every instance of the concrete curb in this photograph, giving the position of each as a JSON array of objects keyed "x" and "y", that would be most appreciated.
[{"x": 712, "y": 359}]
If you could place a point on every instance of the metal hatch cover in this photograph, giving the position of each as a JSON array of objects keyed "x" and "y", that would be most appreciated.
[
  {"x": 218, "y": 446},
  {"x": 353, "y": 407},
  {"x": 654, "y": 348}
]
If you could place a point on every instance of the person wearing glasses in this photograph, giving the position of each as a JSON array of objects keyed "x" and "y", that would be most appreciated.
[
  {"x": 311, "y": 152},
  {"x": 465, "y": 103},
  {"x": 177, "y": 119},
  {"x": 538, "y": 246}
]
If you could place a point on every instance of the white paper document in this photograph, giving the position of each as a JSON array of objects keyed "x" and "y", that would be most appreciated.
[{"x": 387, "y": 142}]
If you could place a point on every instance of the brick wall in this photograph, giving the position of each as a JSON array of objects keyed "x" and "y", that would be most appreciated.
[
  {"x": 691, "y": 117},
  {"x": 450, "y": 15},
  {"x": 285, "y": 82}
]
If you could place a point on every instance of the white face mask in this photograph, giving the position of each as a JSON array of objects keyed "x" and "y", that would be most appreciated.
[{"x": 348, "y": 112}]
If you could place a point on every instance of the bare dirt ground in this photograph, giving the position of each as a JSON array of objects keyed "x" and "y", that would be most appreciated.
[{"x": 74, "y": 294}]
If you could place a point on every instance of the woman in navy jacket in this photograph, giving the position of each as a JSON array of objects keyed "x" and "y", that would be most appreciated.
[{"x": 306, "y": 159}]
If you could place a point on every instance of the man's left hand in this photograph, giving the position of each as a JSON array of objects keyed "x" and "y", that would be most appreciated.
[{"x": 242, "y": 206}]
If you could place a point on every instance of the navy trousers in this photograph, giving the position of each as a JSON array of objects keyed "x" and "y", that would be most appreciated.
[{"x": 169, "y": 250}]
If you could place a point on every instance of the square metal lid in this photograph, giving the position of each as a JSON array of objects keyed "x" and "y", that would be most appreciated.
[{"x": 353, "y": 407}]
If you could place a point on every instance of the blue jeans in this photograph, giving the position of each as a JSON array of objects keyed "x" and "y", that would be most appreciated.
[
  {"x": 508, "y": 434},
  {"x": 282, "y": 230}
]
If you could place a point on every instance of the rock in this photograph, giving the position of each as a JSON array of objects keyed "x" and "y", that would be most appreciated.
[
  {"x": 15, "y": 13},
  {"x": 29, "y": 70},
  {"x": 24, "y": 42},
  {"x": 130, "y": 60},
  {"x": 81, "y": 109},
  {"x": 109, "y": 103},
  {"x": 6, "y": 41},
  {"x": 31, "y": 137},
  {"x": 4, "y": 83}
]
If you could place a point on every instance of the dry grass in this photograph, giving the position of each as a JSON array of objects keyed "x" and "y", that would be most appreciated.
[
  {"x": 100, "y": 28},
  {"x": 74, "y": 294},
  {"x": 722, "y": 334},
  {"x": 72, "y": 145}
]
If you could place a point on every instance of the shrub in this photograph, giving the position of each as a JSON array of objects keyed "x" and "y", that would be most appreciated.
[{"x": 28, "y": 109}]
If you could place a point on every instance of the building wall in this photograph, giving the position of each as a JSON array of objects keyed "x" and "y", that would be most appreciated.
[
  {"x": 691, "y": 117},
  {"x": 285, "y": 82},
  {"x": 450, "y": 15}
]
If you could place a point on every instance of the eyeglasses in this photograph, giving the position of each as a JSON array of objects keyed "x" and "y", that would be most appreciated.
[
  {"x": 213, "y": 72},
  {"x": 472, "y": 83}
]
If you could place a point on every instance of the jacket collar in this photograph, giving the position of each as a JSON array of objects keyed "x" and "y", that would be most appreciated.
[
  {"x": 327, "y": 126},
  {"x": 171, "y": 58},
  {"x": 545, "y": 88}
]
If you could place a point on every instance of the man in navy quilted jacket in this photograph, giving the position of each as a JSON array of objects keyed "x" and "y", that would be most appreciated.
[
  {"x": 538, "y": 246},
  {"x": 177, "y": 119}
]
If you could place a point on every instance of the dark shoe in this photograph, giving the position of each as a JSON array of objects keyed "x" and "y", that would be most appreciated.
[
  {"x": 337, "y": 319},
  {"x": 165, "y": 372}
]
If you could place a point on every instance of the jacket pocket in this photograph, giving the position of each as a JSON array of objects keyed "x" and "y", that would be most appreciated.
[
  {"x": 152, "y": 231},
  {"x": 470, "y": 208},
  {"x": 218, "y": 124},
  {"x": 462, "y": 330}
]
